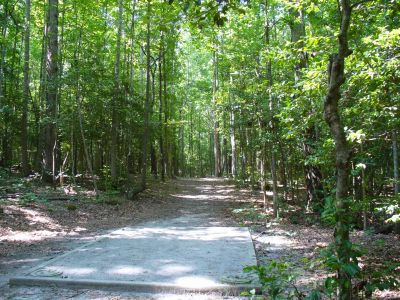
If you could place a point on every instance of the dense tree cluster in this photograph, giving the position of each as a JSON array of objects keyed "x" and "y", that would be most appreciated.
[{"x": 264, "y": 91}]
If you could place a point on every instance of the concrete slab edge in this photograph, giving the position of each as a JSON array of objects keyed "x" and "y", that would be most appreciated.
[{"x": 144, "y": 287}]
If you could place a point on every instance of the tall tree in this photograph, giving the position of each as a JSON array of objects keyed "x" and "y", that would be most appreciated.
[
  {"x": 160, "y": 112},
  {"x": 3, "y": 52},
  {"x": 313, "y": 176},
  {"x": 232, "y": 128},
  {"x": 272, "y": 121},
  {"x": 116, "y": 100},
  {"x": 336, "y": 79},
  {"x": 215, "y": 85},
  {"x": 24, "y": 120},
  {"x": 147, "y": 100},
  {"x": 395, "y": 163},
  {"x": 50, "y": 159}
]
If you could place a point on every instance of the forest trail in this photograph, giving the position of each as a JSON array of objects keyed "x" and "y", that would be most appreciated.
[
  {"x": 192, "y": 233},
  {"x": 202, "y": 201}
]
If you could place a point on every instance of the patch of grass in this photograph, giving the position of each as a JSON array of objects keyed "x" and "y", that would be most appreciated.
[
  {"x": 110, "y": 197},
  {"x": 250, "y": 214},
  {"x": 71, "y": 206},
  {"x": 31, "y": 198},
  {"x": 113, "y": 201},
  {"x": 380, "y": 243}
]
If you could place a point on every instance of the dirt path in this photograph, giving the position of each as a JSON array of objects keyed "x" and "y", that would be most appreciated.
[
  {"x": 36, "y": 233},
  {"x": 199, "y": 202}
]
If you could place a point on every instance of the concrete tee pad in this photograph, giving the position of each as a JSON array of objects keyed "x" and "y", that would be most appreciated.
[{"x": 155, "y": 259}]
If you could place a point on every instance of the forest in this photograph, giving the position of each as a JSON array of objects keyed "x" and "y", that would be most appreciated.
[{"x": 297, "y": 99}]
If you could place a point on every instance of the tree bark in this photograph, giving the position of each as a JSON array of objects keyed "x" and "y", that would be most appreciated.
[
  {"x": 79, "y": 111},
  {"x": 232, "y": 129},
  {"x": 336, "y": 79},
  {"x": 40, "y": 128},
  {"x": 147, "y": 101},
  {"x": 191, "y": 134},
  {"x": 3, "y": 53},
  {"x": 132, "y": 41},
  {"x": 153, "y": 158},
  {"x": 160, "y": 114},
  {"x": 395, "y": 163},
  {"x": 50, "y": 161},
  {"x": 10, "y": 94},
  {"x": 24, "y": 119},
  {"x": 116, "y": 101},
  {"x": 217, "y": 147},
  {"x": 167, "y": 154},
  {"x": 313, "y": 175},
  {"x": 271, "y": 123}
]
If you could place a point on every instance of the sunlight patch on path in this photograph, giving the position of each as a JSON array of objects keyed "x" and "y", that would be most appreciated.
[{"x": 153, "y": 257}]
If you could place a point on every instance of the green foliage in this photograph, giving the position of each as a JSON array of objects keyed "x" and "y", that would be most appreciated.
[
  {"x": 4, "y": 173},
  {"x": 112, "y": 201},
  {"x": 106, "y": 181},
  {"x": 277, "y": 280},
  {"x": 329, "y": 211},
  {"x": 250, "y": 214},
  {"x": 381, "y": 278},
  {"x": 389, "y": 209},
  {"x": 30, "y": 198},
  {"x": 378, "y": 279},
  {"x": 111, "y": 197},
  {"x": 334, "y": 264},
  {"x": 71, "y": 206}
]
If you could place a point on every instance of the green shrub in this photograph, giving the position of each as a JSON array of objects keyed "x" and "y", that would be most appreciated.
[
  {"x": 30, "y": 198},
  {"x": 277, "y": 280}
]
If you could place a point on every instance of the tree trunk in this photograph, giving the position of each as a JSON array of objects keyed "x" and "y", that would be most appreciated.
[
  {"x": 167, "y": 154},
  {"x": 271, "y": 123},
  {"x": 274, "y": 185},
  {"x": 3, "y": 53},
  {"x": 225, "y": 166},
  {"x": 153, "y": 154},
  {"x": 160, "y": 114},
  {"x": 60, "y": 162},
  {"x": 130, "y": 156},
  {"x": 50, "y": 128},
  {"x": 153, "y": 158},
  {"x": 85, "y": 148},
  {"x": 217, "y": 148},
  {"x": 147, "y": 101},
  {"x": 132, "y": 41},
  {"x": 363, "y": 195},
  {"x": 395, "y": 163},
  {"x": 116, "y": 101},
  {"x": 80, "y": 117},
  {"x": 313, "y": 176},
  {"x": 336, "y": 79},
  {"x": 10, "y": 95},
  {"x": 232, "y": 130},
  {"x": 40, "y": 128},
  {"x": 191, "y": 146},
  {"x": 24, "y": 120}
]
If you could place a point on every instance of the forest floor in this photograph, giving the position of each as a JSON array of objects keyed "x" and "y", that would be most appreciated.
[{"x": 38, "y": 223}]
